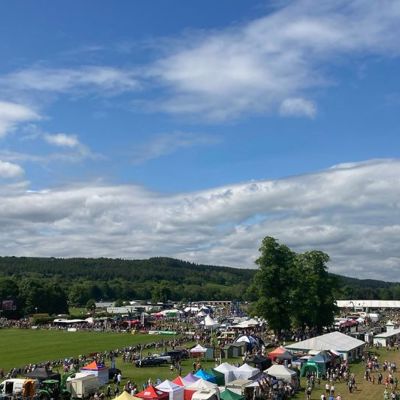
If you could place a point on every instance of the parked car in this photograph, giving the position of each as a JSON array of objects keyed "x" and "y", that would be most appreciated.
[
  {"x": 176, "y": 355},
  {"x": 150, "y": 362}
]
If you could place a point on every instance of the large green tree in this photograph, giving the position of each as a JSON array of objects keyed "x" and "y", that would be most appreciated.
[
  {"x": 293, "y": 290},
  {"x": 273, "y": 283}
]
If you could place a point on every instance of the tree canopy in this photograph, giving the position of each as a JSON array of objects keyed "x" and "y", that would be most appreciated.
[{"x": 293, "y": 290}]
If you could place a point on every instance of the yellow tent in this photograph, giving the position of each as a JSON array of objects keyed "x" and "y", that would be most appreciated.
[{"x": 126, "y": 396}]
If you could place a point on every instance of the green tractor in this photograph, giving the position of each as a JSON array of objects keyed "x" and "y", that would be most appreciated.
[{"x": 52, "y": 389}]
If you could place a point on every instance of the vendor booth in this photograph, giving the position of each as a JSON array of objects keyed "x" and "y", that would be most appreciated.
[
  {"x": 245, "y": 371},
  {"x": 228, "y": 370},
  {"x": 151, "y": 393},
  {"x": 283, "y": 373},
  {"x": 176, "y": 392},
  {"x": 98, "y": 370}
]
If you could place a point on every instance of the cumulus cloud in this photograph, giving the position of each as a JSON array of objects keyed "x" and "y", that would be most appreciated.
[
  {"x": 10, "y": 170},
  {"x": 62, "y": 140},
  {"x": 169, "y": 143},
  {"x": 12, "y": 114},
  {"x": 350, "y": 211},
  {"x": 276, "y": 59}
]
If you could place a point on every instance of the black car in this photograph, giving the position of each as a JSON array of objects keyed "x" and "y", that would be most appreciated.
[
  {"x": 150, "y": 362},
  {"x": 177, "y": 355}
]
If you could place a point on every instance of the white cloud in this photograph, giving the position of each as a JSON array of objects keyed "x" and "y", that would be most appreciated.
[
  {"x": 254, "y": 67},
  {"x": 10, "y": 170},
  {"x": 166, "y": 144},
  {"x": 298, "y": 107},
  {"x": 108, "y": 80},
  {"x": 62, "y": 140},
  {"x": 350, "y": 211},
  {"x": 12, "y": 114}
]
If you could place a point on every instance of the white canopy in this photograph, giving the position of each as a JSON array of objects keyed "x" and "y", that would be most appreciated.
[
  {"x": 205, "y": 395},
  {"x": 335, "y": 340},
  {"x": 228, "y": 370},
  {"x": 175, "y": 391},
  {"x": 202, "y": 384},
  {"x": 245, "y": 371},
  {"x": 210, "y": 323},
  {"x": 198, "y": 349},
  {"x": 281, "y": 372}
]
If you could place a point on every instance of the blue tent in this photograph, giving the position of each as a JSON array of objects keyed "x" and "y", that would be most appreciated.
[{"x": 206, "y": 376}]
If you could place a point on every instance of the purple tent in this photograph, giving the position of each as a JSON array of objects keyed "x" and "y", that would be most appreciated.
[{"x": 190, "y": 378}]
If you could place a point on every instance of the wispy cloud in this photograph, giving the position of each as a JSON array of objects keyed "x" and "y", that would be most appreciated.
[
  {"x": 12, "y": 114},
  {"x": 350, "y": 211},
  {"x": 263, "y": 65},
  {"x": 10, "y": 170},
  {"x": 109, "y": 80},
  {"x": 298, "y": 107},
  {"x": 169, "y": 143}
]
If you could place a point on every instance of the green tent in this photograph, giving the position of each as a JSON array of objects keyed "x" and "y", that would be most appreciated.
[
  {"x": 219, "y": 376},
  {"x": 229, "y": 395}
]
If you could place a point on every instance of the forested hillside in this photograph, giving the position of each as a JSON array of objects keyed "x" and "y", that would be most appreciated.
[{"x": 51, "y": 284}]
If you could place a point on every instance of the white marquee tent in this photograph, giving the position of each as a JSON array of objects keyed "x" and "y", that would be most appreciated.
[
  {"x": 282, "y": 372},
  {"x": 175, "y": 391},
  {"x": 245, "y": 371},
  {"x": 228, "y": 370}
]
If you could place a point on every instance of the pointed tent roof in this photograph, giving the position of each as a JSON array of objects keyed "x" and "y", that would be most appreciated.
[
  {"x": 206, "y": 376},
  {"x": 152, "y": 393},
  {"x": 202, "y": 384},
  {"x": 228, "y": 370},
  {"x": 229, "y": 395},
  {"x": 198, "y": 349},
  {"x": 281, "y": 372},
  {"x": 245, "y": 371},
  {"x": 168, "y": 386},
  {"x": 179, "y": 381},
  {"x": 209, "y": 322},
  {"x": 125, "y": 396},
  {"x": 190, "y": 378},
  {"x": 225, "y": 367},
  {"x": 94, "y": 366},
  {"x": 280, "y": 352}
]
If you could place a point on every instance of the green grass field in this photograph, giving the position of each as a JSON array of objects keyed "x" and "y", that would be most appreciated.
[{"x": 20, "y": 347}]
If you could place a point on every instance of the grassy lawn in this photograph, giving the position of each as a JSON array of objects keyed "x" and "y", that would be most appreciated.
[{"x": 19, "y": 347}]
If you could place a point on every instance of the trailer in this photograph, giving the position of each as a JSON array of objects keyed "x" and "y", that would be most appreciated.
[
  {"x": 82, "y": 386},
  {"x": 11, "y": 388}
]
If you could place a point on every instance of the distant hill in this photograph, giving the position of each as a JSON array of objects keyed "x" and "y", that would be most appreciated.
[{"x": 159, "y": 278}]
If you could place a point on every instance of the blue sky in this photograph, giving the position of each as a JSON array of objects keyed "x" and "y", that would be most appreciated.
[{"x": 194, "y": 129}]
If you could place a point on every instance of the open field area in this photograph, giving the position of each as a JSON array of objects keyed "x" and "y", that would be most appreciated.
[{"x": 20, "y": 347}]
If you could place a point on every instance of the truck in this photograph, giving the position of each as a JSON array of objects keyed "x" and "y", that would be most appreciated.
[
  {"x": 82, "y": 386},
  {"x": 15, "y": 387}
]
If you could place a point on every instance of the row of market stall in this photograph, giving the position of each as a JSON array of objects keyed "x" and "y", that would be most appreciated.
[{"x": 225, "y": 382}]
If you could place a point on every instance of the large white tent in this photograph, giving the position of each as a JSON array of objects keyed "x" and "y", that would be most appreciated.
[
  {"x": 282, "y": 372},
  {"x": 228, "y": 370},
  {"x": 175, "y": 391},
  {"x": 245, "y": 371},
  {"x": 349, "y": 347}
]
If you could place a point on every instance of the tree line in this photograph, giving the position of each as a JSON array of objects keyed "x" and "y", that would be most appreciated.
[{"x": 53, "y": 284}]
